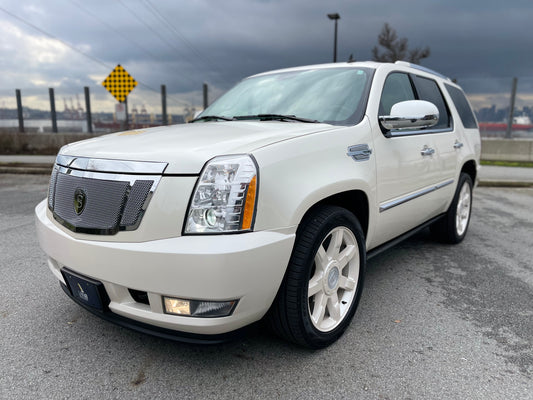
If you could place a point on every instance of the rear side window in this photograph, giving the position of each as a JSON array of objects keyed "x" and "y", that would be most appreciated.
[
  {"x": 462, "y": 106},
  {"x": 427, "y": 89}
]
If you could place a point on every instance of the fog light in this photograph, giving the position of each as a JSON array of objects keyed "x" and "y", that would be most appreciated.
[
  {"x": 198, "y": 308},
  {"x": 177, "y": 306}
]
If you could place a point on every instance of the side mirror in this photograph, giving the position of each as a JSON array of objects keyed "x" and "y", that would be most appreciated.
[{"x": 411, "y": 114}]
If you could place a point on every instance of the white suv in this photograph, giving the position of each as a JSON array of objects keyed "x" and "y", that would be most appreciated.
[{"x": 268, "y": 204}]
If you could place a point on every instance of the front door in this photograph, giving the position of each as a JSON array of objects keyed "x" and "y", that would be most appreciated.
[{"x": 408, "y": 168}]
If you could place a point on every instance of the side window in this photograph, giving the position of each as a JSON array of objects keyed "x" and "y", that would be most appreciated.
[
  {"x": 397, "y": 88},
  {"x": 462, "y": 106},
  {"x": 427, "y": 89}
]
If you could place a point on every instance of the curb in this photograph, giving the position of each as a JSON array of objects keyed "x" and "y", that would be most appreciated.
[{"x": 509, "y": 184}]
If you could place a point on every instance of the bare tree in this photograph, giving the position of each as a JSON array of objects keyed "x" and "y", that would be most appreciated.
[{"x": 396, "y": 49}]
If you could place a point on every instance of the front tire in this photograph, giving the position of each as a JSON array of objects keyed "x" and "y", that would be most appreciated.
[
  {"x": 324, "y": 279},
  {"x": 453, "y": 226}
]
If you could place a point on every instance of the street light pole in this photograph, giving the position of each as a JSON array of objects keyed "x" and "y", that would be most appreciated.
[{"x": 334, "y": 17}]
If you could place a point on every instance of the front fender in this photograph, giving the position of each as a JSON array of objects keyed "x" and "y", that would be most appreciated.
[{"x": 298, "y": 173}]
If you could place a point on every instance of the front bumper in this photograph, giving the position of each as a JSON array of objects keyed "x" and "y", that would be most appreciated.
[{"x": 248, "y": 267}]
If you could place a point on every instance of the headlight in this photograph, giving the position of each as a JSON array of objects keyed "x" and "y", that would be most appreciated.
[{"x": 224, "y": 197}]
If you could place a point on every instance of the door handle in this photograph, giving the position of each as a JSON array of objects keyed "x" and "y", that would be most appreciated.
[
  {"x": 427, "y": 151},
  {"x": 457, "y": 145}
]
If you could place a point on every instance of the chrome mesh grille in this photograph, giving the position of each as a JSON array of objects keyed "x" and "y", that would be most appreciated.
[
  {"x": 134, "y": 206},
  {"x": 51, "y": 188},
  {"x": 109, "y": 206},
  {"x": 105, "y": 201}
]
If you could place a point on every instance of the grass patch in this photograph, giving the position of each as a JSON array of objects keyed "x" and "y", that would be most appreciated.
[{"x": 523, "y": 164}]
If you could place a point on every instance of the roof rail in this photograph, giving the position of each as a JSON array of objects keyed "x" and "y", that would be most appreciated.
[{"x": 421, "y": 68}]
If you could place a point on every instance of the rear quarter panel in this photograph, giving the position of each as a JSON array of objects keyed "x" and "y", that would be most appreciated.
[{"x": 471, "y": 151}]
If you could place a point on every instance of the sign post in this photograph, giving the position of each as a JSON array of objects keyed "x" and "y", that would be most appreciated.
[{"x": 120, "y": 83}]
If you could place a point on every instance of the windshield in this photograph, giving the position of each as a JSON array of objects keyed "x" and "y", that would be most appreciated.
[{"x": 333, "y": 95}]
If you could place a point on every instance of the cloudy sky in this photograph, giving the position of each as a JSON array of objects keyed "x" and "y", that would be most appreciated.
[{"x": 69, "y": 44}]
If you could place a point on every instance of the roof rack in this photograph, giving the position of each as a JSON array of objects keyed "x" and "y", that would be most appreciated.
[{"x": 421, "y": 68}]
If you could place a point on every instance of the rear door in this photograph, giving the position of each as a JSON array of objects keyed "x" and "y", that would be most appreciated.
[{"x": 445, "y": 136}]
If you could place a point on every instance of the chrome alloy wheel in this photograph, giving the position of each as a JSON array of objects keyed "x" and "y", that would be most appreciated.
[
  {"x": 334, "y": 278},
  {"x": 464, "y": 206}
]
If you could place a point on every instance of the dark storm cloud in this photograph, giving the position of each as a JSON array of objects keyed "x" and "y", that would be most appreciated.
[{"x": 184, "y": 43}]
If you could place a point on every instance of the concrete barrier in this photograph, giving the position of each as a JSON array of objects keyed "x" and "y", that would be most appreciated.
[
  {"x": 492, "y": 149},
  {"x": 37, "y": 143},
  {"x": 507, "y": 149}
]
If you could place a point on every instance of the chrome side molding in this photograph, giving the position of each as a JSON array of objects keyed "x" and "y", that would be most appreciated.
[{"x": 393, "y": 203}]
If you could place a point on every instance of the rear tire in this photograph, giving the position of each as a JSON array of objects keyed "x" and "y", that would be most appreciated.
[
  {"x": 324, "y": 279},
  {"x": 453, "y": 226}
]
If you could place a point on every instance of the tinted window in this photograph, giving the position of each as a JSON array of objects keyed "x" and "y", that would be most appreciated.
[
  {"x": 397, "y": 88},
  {"x": 427, "y": 89},
  {"x": 462, "y": 106}
]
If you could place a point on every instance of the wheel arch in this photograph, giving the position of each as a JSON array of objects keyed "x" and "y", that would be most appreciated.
[
  {"x": 355, "y": 201},
  {"x": 470, "y": 168}
]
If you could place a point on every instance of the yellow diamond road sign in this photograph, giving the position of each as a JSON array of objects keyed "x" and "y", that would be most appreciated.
[{"x": 119, "y": 83}]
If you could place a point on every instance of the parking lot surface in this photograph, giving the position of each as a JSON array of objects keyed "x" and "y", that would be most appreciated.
[{"x": 434, "y": 322}]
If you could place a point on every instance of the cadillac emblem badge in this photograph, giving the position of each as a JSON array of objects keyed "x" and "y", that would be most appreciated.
[{"x": 80, "y": 199}]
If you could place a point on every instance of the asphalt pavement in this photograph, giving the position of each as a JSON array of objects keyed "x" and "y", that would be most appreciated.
[{"x": 434, "y": 322}]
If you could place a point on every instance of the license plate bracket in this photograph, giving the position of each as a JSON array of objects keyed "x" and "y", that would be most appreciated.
[{"x": 86, "y": 290}]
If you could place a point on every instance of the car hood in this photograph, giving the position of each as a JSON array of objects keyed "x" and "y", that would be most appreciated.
[{"x": 186, "y": 148}]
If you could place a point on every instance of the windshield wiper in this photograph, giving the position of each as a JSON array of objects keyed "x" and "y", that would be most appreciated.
[
  {"x": 212, "y": 118},
  {"x": 272, "y": 117}
]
